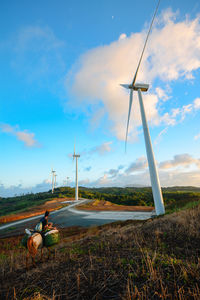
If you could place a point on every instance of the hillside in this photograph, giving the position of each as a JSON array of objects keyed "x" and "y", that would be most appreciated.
[
  {"x": 174, "y": 197},
  {"x": 154, "y": 259},
  {"x": 102, "y": 205}
]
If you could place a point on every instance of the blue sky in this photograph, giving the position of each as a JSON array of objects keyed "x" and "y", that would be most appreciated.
[{"x": 61, "y": 66}]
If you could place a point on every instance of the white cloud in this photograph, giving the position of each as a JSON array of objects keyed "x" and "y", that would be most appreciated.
[
  {"x": 114, "y": 172},
  {"x": 187, "y": 109},
  {"x": 24, "y": 136},
  {"x": 173, "y": 52},
  {"x": 139, "y": 165},
  {"x": 17, "y": 190},
  {"x": 122, "y": 36},
  {"x": 137, "y": 174},
  {"x": 178, "y": 115},
  {"x": 7, "y": 128},
  {"x": 101, "y": 149},
  {"x": 197, "y": 103},
  {"x": 197, "y": 137},
  {"x": 167, "y": 178},
  {"x": 181, "y": 160},
  {"x": 27, "y": 138},
  {"x": 162, "y": 94}
]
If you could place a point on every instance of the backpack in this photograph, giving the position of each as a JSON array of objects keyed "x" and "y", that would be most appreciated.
[{"x": 38, "y": 227}]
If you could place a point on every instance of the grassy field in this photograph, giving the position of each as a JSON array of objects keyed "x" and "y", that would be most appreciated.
[
  {"x": 174, "y": 198},
  {"x": 154, "y": 259}
]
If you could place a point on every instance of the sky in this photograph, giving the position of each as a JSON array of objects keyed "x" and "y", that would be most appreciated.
[{"x": 62, "y": 63}]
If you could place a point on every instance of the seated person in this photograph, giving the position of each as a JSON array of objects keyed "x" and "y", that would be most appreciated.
[{"x": 45, "y": 224}]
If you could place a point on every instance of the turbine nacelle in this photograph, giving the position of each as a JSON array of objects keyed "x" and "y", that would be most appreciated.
[{"x": 139, "y": 86}]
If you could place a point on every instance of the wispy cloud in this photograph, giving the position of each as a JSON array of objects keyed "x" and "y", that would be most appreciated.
[
  {"x": 101, "y": 149},
  {"x": 26, "y": 137},
  {"x": 139, "y": 165},
  {"x": 197, "y": 103},
  {"x": 97, "y": 74},
  {"x": 181, "y": 160},
  {"x": 197, "y": 137},
  {"x": 88, "y": 169},
  {"x": 16, "y": 190},
  {"x": 170, "y": 174},
  {"x": 114, "y": 172},
  {"x": 182, "y": 170}
]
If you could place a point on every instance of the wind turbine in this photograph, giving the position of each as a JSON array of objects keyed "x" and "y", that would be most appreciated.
[
  {"x": 141, "y": 87},
  {"x": 76, "y": 189},
  {"x": 67, "y": 180},
  {"x": 53, "y": 179}
]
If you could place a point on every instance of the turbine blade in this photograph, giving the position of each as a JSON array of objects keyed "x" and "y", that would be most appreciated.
[
  {"x": 129, "y": 113},
  {"x": 74, "y": 149},
  {"x": 126, "y": 86},
  {"x": 134, "y": 79}
]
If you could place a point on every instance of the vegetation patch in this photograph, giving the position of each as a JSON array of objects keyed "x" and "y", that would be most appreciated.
[
  {"x": 175, "y": 198},
  {"x": 102, "y": 205},
  {"x": 153, "y": 259}
]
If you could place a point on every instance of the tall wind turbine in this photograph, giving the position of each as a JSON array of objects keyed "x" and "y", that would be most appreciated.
[
  {"x": 55, "y": 180},
  {"x": 141, "y": 87},
  {"x": 76, "y": 156}
]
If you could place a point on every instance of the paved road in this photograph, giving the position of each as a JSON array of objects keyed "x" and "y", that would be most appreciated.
[{"x": 69, "y": 216}]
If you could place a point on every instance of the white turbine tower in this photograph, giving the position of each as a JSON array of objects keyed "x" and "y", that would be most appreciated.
[
  {"x": 156, "y": 189},
  {"x": 76, "y": 156},
  {"x": 55, "y": 180}
]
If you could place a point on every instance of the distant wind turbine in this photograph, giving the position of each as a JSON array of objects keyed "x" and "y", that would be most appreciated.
[
  {"x": 67, "y": 180},
  {"x": 156, "y": 189},
  {"x": 76, "y": 156}
]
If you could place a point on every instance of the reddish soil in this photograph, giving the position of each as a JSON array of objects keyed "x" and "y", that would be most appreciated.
[
  {"x": 101, "y": 205},
  {"x": 51, "y": 205}
]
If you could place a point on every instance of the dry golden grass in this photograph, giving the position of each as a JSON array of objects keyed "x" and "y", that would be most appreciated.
[
  {"x": 102, "y": 205},
  {"x": 154, "y": 259}
]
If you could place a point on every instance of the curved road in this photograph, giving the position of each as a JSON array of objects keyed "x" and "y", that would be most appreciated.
[{"x": 69, "y": 216}]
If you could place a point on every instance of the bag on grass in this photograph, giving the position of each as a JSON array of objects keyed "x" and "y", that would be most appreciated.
[{"x": 51, "y": 238}]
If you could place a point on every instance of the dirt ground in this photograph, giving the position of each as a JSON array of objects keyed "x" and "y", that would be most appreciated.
[
  {"x": 101, "y": 205},
  {"x": 51, "y": 205}
]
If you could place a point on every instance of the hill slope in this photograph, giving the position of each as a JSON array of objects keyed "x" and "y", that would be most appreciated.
[
  {"x": 174, "y": 197},
  {"x": 153, "y": 259}
]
